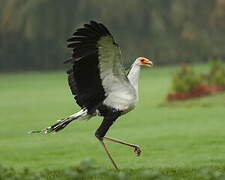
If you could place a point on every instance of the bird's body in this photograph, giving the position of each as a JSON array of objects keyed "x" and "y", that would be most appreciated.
[{"x": 98, "y": 80}]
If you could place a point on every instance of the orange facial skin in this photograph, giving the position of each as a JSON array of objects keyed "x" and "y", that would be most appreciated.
[{"x": 146, "y": 62}]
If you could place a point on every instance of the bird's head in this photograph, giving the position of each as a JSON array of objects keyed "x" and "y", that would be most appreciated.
[{"x": 144, "y": 61}]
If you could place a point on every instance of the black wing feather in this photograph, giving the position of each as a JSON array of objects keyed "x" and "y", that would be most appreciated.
[
  {"x": 80, "y": 44},
  {"x": 95, "y": 26},
  {"x": 84, "y": 77},
  {"x": 82, "y": 53},
  {"x": 91, "y": 28},
  {"x": 78, "y": 39}
]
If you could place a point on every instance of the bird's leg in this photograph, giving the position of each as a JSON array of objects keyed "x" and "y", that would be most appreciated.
[
  {"x": 109, "y": 155},
  {"x": 100, "y": 133},
  {"x": 137, "y": 148}
]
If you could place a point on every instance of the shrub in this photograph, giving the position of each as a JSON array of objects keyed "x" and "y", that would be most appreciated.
[
  {"x": 216, "y": 75},
  {"x": 188, "y": 84},
  {"x": 186, "y": 79}
]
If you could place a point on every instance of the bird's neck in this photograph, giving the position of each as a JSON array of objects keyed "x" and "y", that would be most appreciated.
[{"x": 133, "y": 76}]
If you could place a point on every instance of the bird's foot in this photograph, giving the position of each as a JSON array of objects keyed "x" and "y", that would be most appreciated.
[{"x": 137, "y": 150}]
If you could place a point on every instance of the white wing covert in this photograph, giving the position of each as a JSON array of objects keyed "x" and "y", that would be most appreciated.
[{"x": 120, "y": 93}]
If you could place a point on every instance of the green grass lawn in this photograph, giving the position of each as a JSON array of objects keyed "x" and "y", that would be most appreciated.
[{"x": 177, "y": 138}]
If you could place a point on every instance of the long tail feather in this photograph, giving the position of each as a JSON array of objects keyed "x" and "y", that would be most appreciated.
[{"x": 61, "y": 124}]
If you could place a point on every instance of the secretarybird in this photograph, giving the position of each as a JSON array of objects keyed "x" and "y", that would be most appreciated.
[{"x": 99, "y": 82}]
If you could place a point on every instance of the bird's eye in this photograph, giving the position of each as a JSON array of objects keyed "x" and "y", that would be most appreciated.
[{"x": 142, "y": 60}]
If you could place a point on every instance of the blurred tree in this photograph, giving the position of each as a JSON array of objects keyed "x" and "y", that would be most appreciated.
[{"x": 33, "y": 33}]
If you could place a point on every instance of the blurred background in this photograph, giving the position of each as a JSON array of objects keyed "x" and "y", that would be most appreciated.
[
  {"x": 33, "y": 33},
  {"x": 179, "y": 121}
]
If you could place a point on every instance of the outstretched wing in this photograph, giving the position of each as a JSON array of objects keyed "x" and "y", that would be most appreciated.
[{"x": 97, "y": 75}]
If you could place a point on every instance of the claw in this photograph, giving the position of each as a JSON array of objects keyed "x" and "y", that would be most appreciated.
[{"x": 137, "y": 150}]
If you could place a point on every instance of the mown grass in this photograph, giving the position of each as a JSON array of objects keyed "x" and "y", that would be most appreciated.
[
  {"x": 177, "y": 139},
  {"x": 86, "y": 169}
]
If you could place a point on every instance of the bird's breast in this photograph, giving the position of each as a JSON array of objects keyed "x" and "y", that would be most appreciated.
[{"x": 121, "y": 101}]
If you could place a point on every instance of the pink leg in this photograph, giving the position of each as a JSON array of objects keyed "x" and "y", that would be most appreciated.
[
  {"x": 109, "y": 155},
  {"x": 137, "y": 149}
]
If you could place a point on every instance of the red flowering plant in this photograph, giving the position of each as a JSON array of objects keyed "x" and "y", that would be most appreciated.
[{"x": 187, "y": 83}]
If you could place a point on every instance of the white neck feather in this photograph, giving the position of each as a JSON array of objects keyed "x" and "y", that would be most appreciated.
[{"x": 133, "y": 76}]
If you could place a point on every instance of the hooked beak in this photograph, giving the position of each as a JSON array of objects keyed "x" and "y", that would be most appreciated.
[{"x": 149, "y": 63}]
